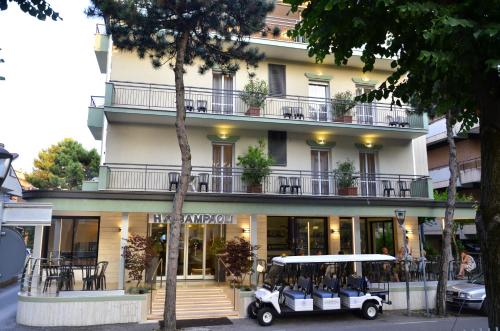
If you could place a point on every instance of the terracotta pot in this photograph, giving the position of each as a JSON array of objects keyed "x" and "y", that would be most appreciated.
[
  {"x": 344, "y": 119},
  {"x": 257, "y": 188},
  {"x": 253, "y": 111},
  {"x": 348, "y": 191}
]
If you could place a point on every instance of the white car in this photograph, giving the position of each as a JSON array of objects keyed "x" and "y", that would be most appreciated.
[{"x": 470, "y": 295}]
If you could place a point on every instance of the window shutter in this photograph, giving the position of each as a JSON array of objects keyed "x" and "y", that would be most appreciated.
[
  {"x": 277, "y": 80},
  {"x": 277, "y": 147}
]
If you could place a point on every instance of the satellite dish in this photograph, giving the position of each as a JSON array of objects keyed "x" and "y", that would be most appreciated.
[{"x": 12, "y": 254}]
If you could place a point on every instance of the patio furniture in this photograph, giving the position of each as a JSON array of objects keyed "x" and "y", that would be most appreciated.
[
  {"x": 283, "y": 182},
  {"x": 392, "y": 121},
  {"x": 173, "y": 180},
  {"x": 295, "y": 185},
  {"x": 287, "y": 112},
  {"x": 297, "y": 113},
  {"x": 388, "y": 188},
  {"x": 100, "y": 278},
  {"x": 203, "y": 179},
  {"x": 51, "y": 271},
  {"x": 188, "y": 104},
  {"x": 201, "y": 106},
  {"x": 402, "y": 122},
  {"x": 89, "y": 273},
  {"x": 403, "y": 188}
]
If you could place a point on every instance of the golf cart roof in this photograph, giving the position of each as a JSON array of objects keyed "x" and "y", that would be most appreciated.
[{"x": 332, "y": 258}]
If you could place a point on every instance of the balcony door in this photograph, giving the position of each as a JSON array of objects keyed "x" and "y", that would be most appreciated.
[
  {"x": 223, "y": 94},
  {"x": 318, "y": 107},
  {"x": 365, "y": 111},
  {"x": 320, "y": 164},
  {"x": 222, "y": 167},
  {"x": 367, "y": 169}
]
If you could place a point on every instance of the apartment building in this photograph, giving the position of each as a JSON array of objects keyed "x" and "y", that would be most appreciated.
[{"x": 301, "y": 207}]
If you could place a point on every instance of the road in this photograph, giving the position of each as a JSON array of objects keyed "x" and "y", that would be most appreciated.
[{"x": 8, "y": 301}]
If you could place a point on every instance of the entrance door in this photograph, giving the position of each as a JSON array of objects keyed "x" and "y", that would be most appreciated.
[
  {"x": 367, "y": 173},
  {"x": 222, "y": 168},
  {"x": 382, "y": 235},
  {"x": 310, "y": 236},
  {"x": 319, "y": 101},
  {"x": 320, "y": 172},
  {"x": 223, "y": 94},
  {"x": 364, "y": 110}
]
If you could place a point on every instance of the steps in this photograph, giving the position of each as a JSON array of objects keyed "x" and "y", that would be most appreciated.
[{"x": 195, "y": 302}]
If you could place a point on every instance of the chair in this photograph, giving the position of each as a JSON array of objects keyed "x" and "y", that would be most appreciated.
[
  {"x": 403, "y": 188},
  {"x": 402, "y": 123},
  {"x": 188, "y": 104},
  {"x": 392, "y": 121},
  {"x": 100, "y": 278},
  {"x": 297, "y": 113},
  {"x": 283, "y": 181},
  {"x": 287, "y": 112},
  {"x": 388, "y": 188},
  {"x": 89, "y": 273},
  {"x": 51, "y": 274},
  {"x": 201, "y": 106},
  {"x": 295, "y": 185},
  {"x": 203, "y": 179},
  {"x": 173, "y": 180}
]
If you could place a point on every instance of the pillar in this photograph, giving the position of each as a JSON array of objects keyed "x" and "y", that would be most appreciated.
[
  {"x": 123, "y": 243},
  {"x": 37, "y": 247},
  {"x": 56, "y": 246},
  {"x": 333, "y": 235},
  {"x": 356, "y": 242}
]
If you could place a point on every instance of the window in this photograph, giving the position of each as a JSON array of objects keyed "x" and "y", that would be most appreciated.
[
  {"x": 277, "y": 147},
  {"x": 277, "y": 80},
  {"x": 79, "y": 239}
]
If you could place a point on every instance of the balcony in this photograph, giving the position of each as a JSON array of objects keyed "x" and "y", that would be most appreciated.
[
  {"x": 470, "y": 171},
  {"x": 95, "y": 117},
  {"x": 226, "y": 180},
  {"x": 300, "y": 111},
  {"x": 101, "y": 47}
]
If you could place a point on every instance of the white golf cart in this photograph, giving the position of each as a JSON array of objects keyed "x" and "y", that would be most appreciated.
[{"x": 318, "y": 284}]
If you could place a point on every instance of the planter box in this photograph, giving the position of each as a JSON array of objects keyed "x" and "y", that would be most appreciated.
[
  {"x": 254, "y": 188},
  {"x": 344, "y": 119},
  {"x": 253, "y": 111},
  {"x": 348, "y": 191}
]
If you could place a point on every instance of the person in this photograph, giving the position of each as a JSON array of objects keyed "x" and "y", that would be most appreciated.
[
  {"x": 408, "y": 247},
  {"x": 386, "y": 265},
  {"x": 300, "y": 252},
  {"x": 467, "y": 263}
]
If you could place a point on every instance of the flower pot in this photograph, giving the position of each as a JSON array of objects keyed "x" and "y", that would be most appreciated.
[
  {"x": 348, "y": 191},
  {"x": 344, "y": 119},
  {"x": 253, "y": 111},
  {"x": 255, "y": 188}
]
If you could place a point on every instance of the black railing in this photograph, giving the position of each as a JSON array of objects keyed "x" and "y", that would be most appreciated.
[
  {"x": 230, "y": 180},
  {"x": 291, "y": 107}
]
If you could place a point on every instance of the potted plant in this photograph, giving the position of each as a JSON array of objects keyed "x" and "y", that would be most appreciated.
[
  {"x": 346, "y": 182},
  {"x": 254, "y": 95},
  {"x": 342, "y": 103},
  {"x": 256, "y": 166},
  {"x": 139, "y": 255}
]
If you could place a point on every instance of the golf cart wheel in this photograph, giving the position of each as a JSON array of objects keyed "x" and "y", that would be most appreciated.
[
  {"x": 252, "y": 310},
  {"x": 369, "y": 310},
  {"x": 265, "y": 316}
]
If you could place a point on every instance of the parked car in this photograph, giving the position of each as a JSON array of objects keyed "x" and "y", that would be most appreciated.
[{"x": 470, "y": 295}]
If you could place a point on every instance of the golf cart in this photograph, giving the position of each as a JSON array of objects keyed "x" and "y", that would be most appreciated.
[{"x": 317, "y": 285}]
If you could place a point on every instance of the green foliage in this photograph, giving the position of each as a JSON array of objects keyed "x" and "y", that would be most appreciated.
[
  {"x": 459, "y": 197},
  {"x": 138, "y": 255},
  {"x": 217, "y": 245},
  {"x": 342, "y": 103},
  {"x": 255, "y": 92},
  {"x": 344, "y": 174},
  {"x": 446, "y": 54},
  {"x": 64, "y": 166},
  {"x": 256, "y": 164},
  {"x": 216, "y": 31},
  {"x": 36, "y": 8}
]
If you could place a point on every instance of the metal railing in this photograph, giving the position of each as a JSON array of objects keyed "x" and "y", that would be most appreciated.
[
  {"x": 100, "y": 28},
  {"x": 470, "y": 164},
  {"x": 291, "y": 107},
  {"x": 230, "y": 180},
  {"x": 96, "y": 101},
  {"x": 152, "y": 284},
  {"x": 233, "y": 278}
]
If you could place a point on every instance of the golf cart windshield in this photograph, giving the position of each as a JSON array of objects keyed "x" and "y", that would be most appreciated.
[{"x": 273, "y": 276}]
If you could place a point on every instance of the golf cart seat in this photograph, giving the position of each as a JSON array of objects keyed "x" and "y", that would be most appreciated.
[
  {"x": 356, "y": 286},
  {"x": 325, "y": 294},
  {"x": 329, "y": 288},
  {"x": 304, "y": 284}
]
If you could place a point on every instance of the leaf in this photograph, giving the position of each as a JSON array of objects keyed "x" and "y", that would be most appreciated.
[{"x": 329, "y": 5}]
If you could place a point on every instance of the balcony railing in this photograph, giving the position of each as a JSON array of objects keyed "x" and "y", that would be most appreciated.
[
  {"x": 289, "y": 107},
  {"x": 470, "y": 171},
  {"x": 96, "y": 101},
  {"x": 285, "y": 182}
]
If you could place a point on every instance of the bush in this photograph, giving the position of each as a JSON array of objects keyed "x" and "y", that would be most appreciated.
[
  {"x": 255, "y": 164},
  {"x": 239, "y": 257},
  {"x": 344, "y": 174},
  {"x": 255, "y": 93}
]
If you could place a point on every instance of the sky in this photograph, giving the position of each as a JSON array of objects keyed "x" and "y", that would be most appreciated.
[{"x": 50, "y": 73}]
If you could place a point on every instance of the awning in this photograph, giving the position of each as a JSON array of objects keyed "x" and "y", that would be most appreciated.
[{"x": 26, "y": 214}]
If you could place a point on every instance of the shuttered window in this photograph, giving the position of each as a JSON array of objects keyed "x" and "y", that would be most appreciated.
[
  {"x": 277, "y": 147},
  {"x": 277, "y": 80}
]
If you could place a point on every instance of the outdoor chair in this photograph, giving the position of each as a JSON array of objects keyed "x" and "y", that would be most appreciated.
[
  {"x": 388, "y": 188},
  {"x": 100, "y": 278},
  {"x": 89, "y": 277},
  {"x": 402, "y": 123},
  {"x": 295, "y": 185},
  {"x": 203, "y": 179},
  {"x": 283, "y": 181},
  {"x": 297, "y": 113},
  {"x": 188, "y": 104},
  {"x": 51, "y": 275},
  {"x": 403, "y": 188},
  {"x": 201, "y": 106},
  {"x": 287, "y": 112},
  {"x": 392, "y": 121},
  {"x": 173, "y": 180}
]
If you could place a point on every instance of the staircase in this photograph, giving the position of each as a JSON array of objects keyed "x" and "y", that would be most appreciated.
[{"x": 195, "y": 301}]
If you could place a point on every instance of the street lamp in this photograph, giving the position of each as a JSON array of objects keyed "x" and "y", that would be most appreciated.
[
  {"x": 5, "y": 161},
  {"x": 400, "y": 216}
]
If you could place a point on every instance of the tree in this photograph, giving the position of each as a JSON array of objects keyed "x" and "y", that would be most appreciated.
[
  {"x": 177, "y": 33},
  {"x": 239, "y": 257},
  {"x": 138, "y": 255},
  {"x": 64, "y": 166},
  {"x": 446, "y": 56},
  {"x": 40, "y": 9}
]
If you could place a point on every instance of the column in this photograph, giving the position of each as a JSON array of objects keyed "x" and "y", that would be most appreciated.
[
  {"x": 356, "y": 242},
  {"x": 56, "y": 246},
  {"x": 333, "y": 235},
  {"x": 123, "y": 243},
  {"x": 37, "y": 247},
  {"x": 253, "y": 242}
]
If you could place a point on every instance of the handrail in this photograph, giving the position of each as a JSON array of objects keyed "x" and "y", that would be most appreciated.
[
  {"x": 233, "y": 278},
  {"x": 155, "y": 275}
]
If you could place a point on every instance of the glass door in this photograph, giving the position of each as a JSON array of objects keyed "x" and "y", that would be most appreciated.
[
  {"x": 382, "y": 235},
  {"x": 222, "y": 168},
  {"x": 367, "y": 173},
  {"x": 194, "y": 260},
  {"x": 319, "y": 104},
  {"x": 222, "y": 95},
  {"x": 320, "y": 172},
  {"x": 364, "y": 110},
  {"x": 310, "y": 236}
]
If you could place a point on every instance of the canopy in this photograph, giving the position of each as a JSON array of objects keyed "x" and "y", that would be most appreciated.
[{"x": 332, "y": 258}]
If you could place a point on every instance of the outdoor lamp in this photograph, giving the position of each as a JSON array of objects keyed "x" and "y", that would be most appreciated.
[
  {"x": 5, "y": 161},
  {"x": 400, "y": 215}
]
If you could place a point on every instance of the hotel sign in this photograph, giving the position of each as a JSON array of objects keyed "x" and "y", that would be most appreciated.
[{"x": 194, "y": 219}]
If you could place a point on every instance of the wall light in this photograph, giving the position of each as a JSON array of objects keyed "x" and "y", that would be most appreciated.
[
  {"x": 333, "y": 231},
  {"x": 245, "y": 230},
  {"x": 409, "y": 231},
  {"x": 369, "y": 145},
  {"x": 321, "y": 141},
  {"x": 223, "y": 136}
]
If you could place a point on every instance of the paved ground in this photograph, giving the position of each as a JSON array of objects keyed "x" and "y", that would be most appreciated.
[{"x": 341, "y": 321}]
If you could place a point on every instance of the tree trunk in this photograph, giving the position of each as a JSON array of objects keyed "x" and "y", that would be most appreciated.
[
  {"x": 488, "y": 215},
  {"x": 176, "y": 215},
  {"x": 446, "y": 255}
]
